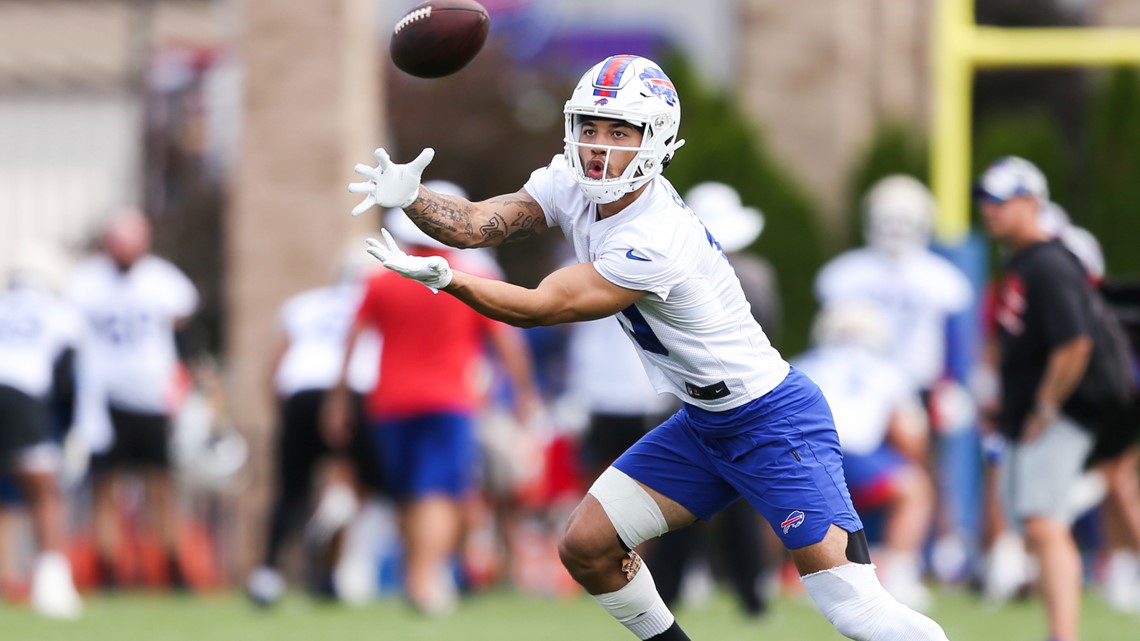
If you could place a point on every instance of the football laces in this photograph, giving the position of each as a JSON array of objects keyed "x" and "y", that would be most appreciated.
[{"x": 413, "y": 16}]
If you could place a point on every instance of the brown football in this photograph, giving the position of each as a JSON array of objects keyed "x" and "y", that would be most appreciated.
[{"x": 439, "y": 37}]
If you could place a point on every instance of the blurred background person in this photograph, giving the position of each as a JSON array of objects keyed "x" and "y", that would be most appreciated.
[
  {"x": 133, "y": 303},
  {"x": 732, "y": 544},
  {"x": 313, "y": 328},
  {"x": 422, "y": 412},
  {"x": 1116, "y": 453},
  {"x": 1054, "y": 383},
  {"x": 919, "y": 291},
  {"x": 38, "y": 334},
  {"x": 883, "y": 433}
]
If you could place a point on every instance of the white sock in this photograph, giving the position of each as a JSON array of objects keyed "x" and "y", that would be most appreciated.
[
  {"x": 1121, "y": 582},
  {"x": 638, "y": 606},
  {"x": 851, "y": 598}
]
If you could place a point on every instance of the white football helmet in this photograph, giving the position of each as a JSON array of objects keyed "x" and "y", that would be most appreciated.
[
  {"x": 899, "y": 214},
  {"x": 634, "y": 90}
]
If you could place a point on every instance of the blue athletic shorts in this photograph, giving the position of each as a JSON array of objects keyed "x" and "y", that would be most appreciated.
[
  {"x": 425, "y": 455},
  {"x": 780, "y": 452},
  {"x": 870, "y": 476}
]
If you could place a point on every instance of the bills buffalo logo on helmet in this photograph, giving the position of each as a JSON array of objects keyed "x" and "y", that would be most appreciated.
[{"x": 660, "y": 85}]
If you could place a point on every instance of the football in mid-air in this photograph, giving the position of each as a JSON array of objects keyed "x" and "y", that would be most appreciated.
[{"x": 439, "y": 37}]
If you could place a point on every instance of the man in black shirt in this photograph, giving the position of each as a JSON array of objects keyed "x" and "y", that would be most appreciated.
[{"x": 1045, "y": 337}]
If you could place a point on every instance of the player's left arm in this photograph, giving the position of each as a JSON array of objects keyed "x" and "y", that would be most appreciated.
[{"x": 571, "y": 294}]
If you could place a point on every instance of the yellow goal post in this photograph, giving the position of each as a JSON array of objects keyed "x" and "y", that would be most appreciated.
[{"x": 961, "y": 47}]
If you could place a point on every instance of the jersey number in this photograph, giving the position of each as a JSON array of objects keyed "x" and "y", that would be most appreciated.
[{"x": 641, "y": 332}]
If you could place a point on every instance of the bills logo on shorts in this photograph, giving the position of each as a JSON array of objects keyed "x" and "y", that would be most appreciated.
[
  {"x": 794, "y": 520},
  {"x": 660, "y": 85}
]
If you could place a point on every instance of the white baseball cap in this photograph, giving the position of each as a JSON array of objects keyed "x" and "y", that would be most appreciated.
[
  {"x": 405, "y": 231},
  {"x": 732, "y": 224},
  {"x": 1010, "y": 177}
]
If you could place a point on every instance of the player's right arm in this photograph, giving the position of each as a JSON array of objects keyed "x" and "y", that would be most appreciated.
[
  {"x": 458, "y": 222},
  {"x": 451, "y": 220}
]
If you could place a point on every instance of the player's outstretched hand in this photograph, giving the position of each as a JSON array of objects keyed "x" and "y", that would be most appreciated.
[
  {"x": 431, "y": 271},
  {"x": 389, "y": 184}
]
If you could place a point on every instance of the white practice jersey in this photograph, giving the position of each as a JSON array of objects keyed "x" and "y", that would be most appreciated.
[
  {"x": 131, "y": 319},
  {"x": 316, "y": 324},
  {"x": 694, "y": 329},
  {"x": 863, "y": 389},
  {"x": 918, "y": 291},
  {"x": 35, "y": 328}
]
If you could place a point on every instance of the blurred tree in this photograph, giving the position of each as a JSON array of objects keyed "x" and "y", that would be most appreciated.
[
  {"x": 723, "y": 146},
  {"x": 1114, "y": 132}
]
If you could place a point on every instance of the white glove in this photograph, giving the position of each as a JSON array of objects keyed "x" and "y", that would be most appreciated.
[
  {"x": 431, "y": 271},
  {"x": 389, "y": 184}
]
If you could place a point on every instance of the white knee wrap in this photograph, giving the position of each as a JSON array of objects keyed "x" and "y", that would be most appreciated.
[
  {"x": 633, "y": 512},
  {"x": 851, "y": 598}
]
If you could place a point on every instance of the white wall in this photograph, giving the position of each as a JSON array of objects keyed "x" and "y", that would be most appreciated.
[{"x": 66, "y": 159}]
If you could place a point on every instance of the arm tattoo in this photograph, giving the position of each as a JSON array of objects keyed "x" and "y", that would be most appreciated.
[
  {"x": 516, "y": 220},
  {"x": 456, "y": 222},
  {"x": 443, "y": 218}
]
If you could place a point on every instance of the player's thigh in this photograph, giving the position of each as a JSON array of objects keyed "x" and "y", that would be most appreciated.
[
  {"x": 674, "y": 467},
  {"x": 793, "y": 474}
]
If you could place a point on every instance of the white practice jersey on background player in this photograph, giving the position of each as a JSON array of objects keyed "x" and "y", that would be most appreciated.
[
  {"x": 917, "y": 291},
  {"x": 694, "y": 328},
  {"x": 604, "y": 374},
  {"x": 863, "y": 389},
  {"x": 316, "y": 324},
  {"x": 131, "y": 321},
  {"x": 35, "y": 328}
]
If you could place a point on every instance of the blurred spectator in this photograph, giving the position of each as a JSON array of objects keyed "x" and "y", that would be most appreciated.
[
  {"x": 1116, "y": 454},
  {"x": 734, "y": 536},
  {"x": 38, "y": 332},
  {"x": 883, "y": 433},
  {"x": 133, "y": 303},
  {"x": 313, "y": 329},
  {"x": 1045, "y": 329},
  {"x": 422, "y": 411},
  {"x": 919, "y": 291}
]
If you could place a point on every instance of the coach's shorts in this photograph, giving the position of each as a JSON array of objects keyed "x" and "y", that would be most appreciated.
[
  {"x": 142, "y": 441},
  {"x": 869, "y": 476},
  {"x": 1035, "y": 477},
  {"x": 1119, "y": 431},
  {"x": 425, "y": 455},
  {"x": 780, "y": 452},
  {"x": 24, "y": 422}
]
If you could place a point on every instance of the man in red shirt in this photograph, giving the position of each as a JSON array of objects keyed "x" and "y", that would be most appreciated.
[{"x": 422, "y": 412}]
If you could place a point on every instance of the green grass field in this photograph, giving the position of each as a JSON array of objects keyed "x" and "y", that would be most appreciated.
[{"x": 500, "y": 616}]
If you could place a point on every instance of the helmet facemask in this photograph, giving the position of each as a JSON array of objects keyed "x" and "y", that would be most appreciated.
[{"x": 631, "y": 90}]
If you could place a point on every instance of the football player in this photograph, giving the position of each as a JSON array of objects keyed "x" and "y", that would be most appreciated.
[{"x": 750, "y": 426}]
